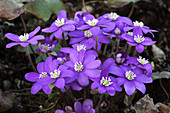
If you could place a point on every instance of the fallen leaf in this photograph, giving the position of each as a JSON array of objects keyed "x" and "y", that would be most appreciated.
[
  {"x": 158, "y": 53},
  {"x": 44, "y": 8},
  {"x": 160, "y": 75},
  {"x": 120, "y": 3}
]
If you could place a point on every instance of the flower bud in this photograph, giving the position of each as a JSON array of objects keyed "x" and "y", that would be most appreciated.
[
  {"x": 120, "y": 57},
  {"x": 103, "y": 104},
  {"x": 68, "y": 109}
]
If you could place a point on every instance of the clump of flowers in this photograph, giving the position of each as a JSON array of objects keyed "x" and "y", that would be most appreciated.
[{"x": 79, "y": 65}]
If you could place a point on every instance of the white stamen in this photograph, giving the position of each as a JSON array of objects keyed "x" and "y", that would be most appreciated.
[
  {"x": 130, "y": 33},
  {"x": 117, "y": 31},
  {"x": 105, "y": 81},
  {"x": 78, "y": 66},
  {"x": 130, "y": 75},
  {"x": 24, "y": 37},
  {"x": 46, "y": 46},
  {"x": 87, "y": 34},
  {"x": 43, "y": 74},
  {"x": 137, "y": 23},
  {"x": 80, "y": 47},
  {"x": 142, "y": 60},
  {"x": 93, "y": 22},
  {"x": 139, "y": 39},
  {"x": 113, "y": 16},
  {"x": 59, "y": 23},
  {"x": 56, "y": 73}
]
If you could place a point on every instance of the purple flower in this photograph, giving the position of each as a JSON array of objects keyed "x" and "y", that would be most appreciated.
[
  {"x": 47, "y": 46},
  {"x": 87, "y": 107},
  {"x": 105, "y": 82},
  {"x": 60, "y": 25},
  {"x": 145, "y": 29},
  {"x": 84, "y": 66},
  {"x": 25, "y": 39},
  {"x": 138, "y": 40},
  {"x": 120, "y": 57},
  {"x": 41, "y": 79},
  {"x": 142, "y": 63},
  {"x": 57, "y": 73},
  {"x": 131, "y": 78},
  {"x": 88, "y": 37},
  {"x": 59, "y": 111}
]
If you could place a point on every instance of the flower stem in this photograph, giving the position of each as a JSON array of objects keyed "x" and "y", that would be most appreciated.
[
  {"x": 118, "y": 41},
  {"x": 29, "y": 57},
  {"x": 71, "y": 96},
  {"x": 100, "y": 101},
  {"x": 105, "y": 48},
  {"x": 129, "y": 47},
  {"x": 96, "y": 42},
  {"x": 33, "y": 51},
  {"x": 65, "y": 43}
]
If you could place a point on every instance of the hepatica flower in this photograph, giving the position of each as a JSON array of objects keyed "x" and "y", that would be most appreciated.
[
  {"x": 138, "y": 39},
  {"x": 120, "y": 57},
  {"x": 60, "y": 25},
  {"x": 84, "y": 66},
  {"x": 47, "y": 46},
  {"x": 24, "y": 40},
  {"x": 142, "y": 63},
  {"x": 131, "y": 78}
]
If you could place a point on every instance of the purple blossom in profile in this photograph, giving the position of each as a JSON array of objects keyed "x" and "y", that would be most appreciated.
[
  {"x": 131, "y": 78},
  {"x": 87, "y": 107},
  {"x": 57, "y": 73},
  {"x": 24, "y": 40},
  {"x": 84, "y": 66},
  {"x": 47, "y": 46},
  {"x": 88, "y": 37},
  {"x": 41, "y": 79},
  {"x": 60, "y": 25},
  {"x": 120, "y": 57},
  {"x": 137, "y": 39},
  {"x": 135, "y": 24},
  {"x": 142, "y": 63},
  {"x": 105, "y": 82}
]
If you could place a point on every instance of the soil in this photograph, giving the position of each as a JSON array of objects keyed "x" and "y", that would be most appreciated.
[{"x": 14, "y": 65}]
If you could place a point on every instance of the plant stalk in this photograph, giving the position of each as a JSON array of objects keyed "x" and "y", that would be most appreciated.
[{"x": 29, "y": 57}]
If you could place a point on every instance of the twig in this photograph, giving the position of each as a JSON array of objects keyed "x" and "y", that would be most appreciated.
[
  {"x": 160, "y": 81},
  {"x": 132, "y": 9},
  {"x": 84, "y": 5}
]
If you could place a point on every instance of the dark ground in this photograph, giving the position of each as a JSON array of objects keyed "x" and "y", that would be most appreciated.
[{"x": 14, "y": 65}]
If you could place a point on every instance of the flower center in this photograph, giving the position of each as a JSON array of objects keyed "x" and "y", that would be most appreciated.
[
  {"x": 55, "y": 74},
  {"x": 140, "y": 24},
  {"x": 130, "y": 75},
  {"x": 87, "y": 34},
  {"x": 105, "y": 81},
  {"x": 139, "y": 39},
  {"x": 78, "y": 66},
  {"x": 117, "y": 31},
  {"x": 130, "y": 33},
  {"x": 59, "y": 23},
  {"x": 43, "y": 74},
  {"x": 80, "y": 47},
  {"x": 46, "y": 46},
  {"x": 24, "y": 37},
  {"x": 113, "y": 16},
  {"x": 142, "y": 60},
  {"x": 93, "y": 22}
]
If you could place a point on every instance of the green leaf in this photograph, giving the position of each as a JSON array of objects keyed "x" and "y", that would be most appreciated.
[
  {"x": 51, "y": 85},
  {"x": 23, "y": 49},
  {"x": 44, "y": 8}
]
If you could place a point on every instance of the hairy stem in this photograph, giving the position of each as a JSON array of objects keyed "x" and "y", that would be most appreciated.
[
  {"x": 100, "y": 101},
  {"x": 118, "y": 42},
  {"x": 65, "y": 43},
  {"x": 71, "y": 96},
  {"x": 29, "y": 57},
  {"x": 96, "y": 42},
  {"x": 105, "y": 48}
]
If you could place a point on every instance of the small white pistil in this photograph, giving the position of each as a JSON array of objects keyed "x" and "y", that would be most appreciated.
[
  {"x": 78, "y": 66},
  {"x": 117, "y": 31},
  {"x": 93, "y": 22},
  {"x": 130, "y": 75},
  {"x": 56, "y": 73},
  {"x": 113, "y": 16},
  {"x": 105, "y": 81},
  {"x": 43, "y": 74},
  {"x": 137, "y": 23},
  {"x": 87, "y": 34},
  {"x": 142, "y": 60},
  {"x": 139, "y": 39},
  {"x": 80, "y": 47},
  {"x": 24, "y": 37},
  {"x": 46, "y": 46},
  {"x": 59, "y": 23}
]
